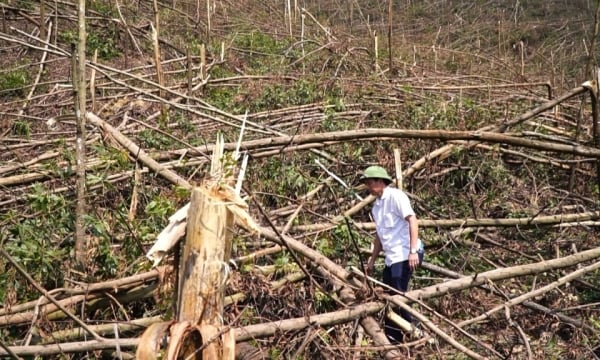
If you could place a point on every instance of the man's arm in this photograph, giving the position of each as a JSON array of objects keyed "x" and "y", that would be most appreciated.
[
  {"x": 413, "y": 228},
  {"x": 374, "y": 254}
]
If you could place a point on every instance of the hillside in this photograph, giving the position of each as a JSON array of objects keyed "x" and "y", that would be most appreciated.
[{"x": 485, "y": 101}]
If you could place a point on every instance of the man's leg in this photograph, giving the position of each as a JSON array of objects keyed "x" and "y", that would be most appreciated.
[
  {"x": 392, "y": 276},
  {"x": 403, "y": 280},
  {"x": 405, "y": 276},
  {"x": 398, "y": 277}
]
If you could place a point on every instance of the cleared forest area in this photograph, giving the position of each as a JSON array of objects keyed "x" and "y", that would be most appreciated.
[{"x": 491, "y": 109}]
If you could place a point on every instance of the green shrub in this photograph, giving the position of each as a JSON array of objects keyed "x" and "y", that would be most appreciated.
[
  {"x": 105, "y": 40},
  {"x": 41, "y": 243},
  {"x": 13, "y": 82},
  {"x": 21, "y": 128}
]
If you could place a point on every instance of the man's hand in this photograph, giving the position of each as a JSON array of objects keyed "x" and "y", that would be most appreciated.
[{"x": 413, "y": 261}]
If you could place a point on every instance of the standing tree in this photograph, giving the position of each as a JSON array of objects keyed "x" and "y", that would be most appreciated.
[{"x": 81, "y": 245}]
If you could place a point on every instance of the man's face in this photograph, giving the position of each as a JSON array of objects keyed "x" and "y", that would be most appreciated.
[{"x": 375, "y": 186}]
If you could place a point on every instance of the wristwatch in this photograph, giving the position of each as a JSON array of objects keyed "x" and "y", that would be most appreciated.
[{"x": 413, "y": 251}]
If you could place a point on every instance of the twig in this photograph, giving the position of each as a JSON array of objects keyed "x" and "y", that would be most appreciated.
[
  {"x": 41, "y": 70},
  {"x": 9, "y": 351},
  {"x": 520, "y": 331},
  {"x": 131, "y": 37}
]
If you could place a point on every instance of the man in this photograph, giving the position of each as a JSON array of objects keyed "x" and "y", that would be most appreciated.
[{"x": 397, "y": 235}]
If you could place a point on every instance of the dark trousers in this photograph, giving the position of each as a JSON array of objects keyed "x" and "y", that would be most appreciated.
[{"x": 398, "y": 276}]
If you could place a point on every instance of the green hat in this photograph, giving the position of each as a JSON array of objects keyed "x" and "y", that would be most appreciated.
[{"x": 376, "y": 172}]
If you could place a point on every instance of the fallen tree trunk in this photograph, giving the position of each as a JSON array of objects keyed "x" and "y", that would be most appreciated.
[
  {"x": 26, "y": 312},
  {"x": 544, "y": 289},
  {"x": 500, "y": 274},
  {"x": 136, "y": 151},
  {"x": 469, "y": 222},
  {"x": 370, "y": 134}
]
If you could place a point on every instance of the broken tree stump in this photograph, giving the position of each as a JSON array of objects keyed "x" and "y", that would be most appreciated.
[{"x": 203, "y": 273}]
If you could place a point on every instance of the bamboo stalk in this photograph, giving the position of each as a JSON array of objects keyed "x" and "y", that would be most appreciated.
[
  {"x": 44, "y": 292},
  {"x": 203, "y": 66},
  {"x": 529, "y": 304},
  {"x": 557, "y": 220},
  {"x": 390, "y": 30},
  {"x": 41, "y": 67},
  {"x": 189, "y": 73},
  {"x": 164, "y": 113},
  {"x": 93, "y": 81},
  {"x": 398, "y": 162},
  {"x": 595, "y": 118},
  {"x": 521, "y": 46},
  {"x": 42, "y": 24},
  {"x": 501, "y": 274},
  {"x": 288, "y": 16},
  {"x": 376, "y": 50},
  {"x": 157, "y": 59},
  {"x": 79, "y": 84},
  {"x": 55, "y": 40},
  {"x": 3, "y": 18},
  {"x": 208, "y": 20},
  {"x": 522, "y": 298},
  {"x": 439, "y": 332},
  {"x": 137, "y": 151},
  {"x": 133, "y": 204},
  {"x": 131, "y": 37}
]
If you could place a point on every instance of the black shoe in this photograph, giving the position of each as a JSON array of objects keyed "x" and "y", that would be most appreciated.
[
  {"x": 395, "y": 340},
  {"x": 394, "y": 334}
]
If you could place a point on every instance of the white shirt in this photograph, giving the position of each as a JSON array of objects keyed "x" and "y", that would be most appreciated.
[{"x": 390, "y": 212}]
